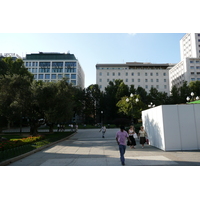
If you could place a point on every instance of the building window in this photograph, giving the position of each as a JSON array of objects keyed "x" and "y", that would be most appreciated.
[
  {"x": 192, "y": 79},
  {"x": 132, "y": 73},
  {"x": 119, "y": 74},
  {"x": 151, "y": 80},
  {"x": 156, "y": 73},
  {"x": 157, "y": 80},
  {"x": 53, "y": 76},
  {"x": 126, "y": 80},
  {"x": 165, "y": 87},
  {"x": 146, "y": 80},
  {"x": 191, "y": 67},
  {"x": 47, "y": 76},
  {"x": 198, "y": 67},
  {"x": 138, "y": 80},
  {"x": 126, "y": 73},
  {"x": 60, "y": 76},
  {"x": 107, "y": 73},
  {"x": 146, "y": 86},
  {"x": 44, "y": 70},
  {"x": 113, "y": 73},
  {"x": 57, "y": 64},
  {"x": 165, "y": 80},
  {"x": 164, "y": 74},
  {"x": 132, "y": 79},
  {"x": 100, "y": 73},
  {"x": 41, "y": 76},
  {"x": 108, "y": 80},
  {"x": 44, "y": 64},
  {"x": 67, "y": 76},
  {"x": 100, "y": 80},
  {"x": 151, "y": 74},
  {"x": 73, "y": 82},
  {"x": 191, "y": 61},
  {"x": 138, "y": 73},
  {"x": 145, "y": 73},
  {"x": 70, "y": 64},
  {"x": 73, "y": 76},
  {"x": 192, "y": 73},
  {"x": 157, "y": 86},
  {"x": 70, "y": 69},
  {"x": 35, "y": 76},
  {"x": 57, "y": 70}
]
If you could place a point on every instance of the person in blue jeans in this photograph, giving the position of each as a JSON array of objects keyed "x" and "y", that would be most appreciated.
[{"x": 121, "y": 138}]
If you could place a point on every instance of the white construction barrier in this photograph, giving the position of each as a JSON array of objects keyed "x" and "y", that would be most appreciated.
[{"x": 173, "y": 127}]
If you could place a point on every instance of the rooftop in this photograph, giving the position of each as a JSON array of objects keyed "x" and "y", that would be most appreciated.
[{"x": 50, "y": 56}]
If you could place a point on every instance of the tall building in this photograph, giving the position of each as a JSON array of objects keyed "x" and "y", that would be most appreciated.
[
  {"x": 51, "y": 67},
  {"x": 145, "y": 75},
  {"x": 188, "y": 69}
]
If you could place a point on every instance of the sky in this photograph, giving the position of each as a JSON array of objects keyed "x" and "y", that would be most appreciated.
[{"x": 97, "y": 48}]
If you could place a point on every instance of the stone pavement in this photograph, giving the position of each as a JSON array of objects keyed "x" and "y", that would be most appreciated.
[{"x": 88, "y": 148}]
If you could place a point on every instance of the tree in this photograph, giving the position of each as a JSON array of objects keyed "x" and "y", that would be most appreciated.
[
  {"x": 131, "y": 106},
  {"x": 194, "y": 86}
]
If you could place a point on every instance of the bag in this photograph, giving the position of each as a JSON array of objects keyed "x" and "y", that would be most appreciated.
[
  {"x": 147, "y": 140},
  {"x": 135, "y": 135}
]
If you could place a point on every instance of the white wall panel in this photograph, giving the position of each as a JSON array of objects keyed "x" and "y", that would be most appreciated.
[
  {"x": 173, "y": 127},
  {"x": 187, "y": 127},
  {"x": 197, "y": 122}
]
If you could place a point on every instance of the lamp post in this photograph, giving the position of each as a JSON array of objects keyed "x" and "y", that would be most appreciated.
[
  {"x": 132, "y": 101},
  {"x": 192, "y": 97},
  {"x": 151, "y": 105},
  {"x": 101, "y": 118}
]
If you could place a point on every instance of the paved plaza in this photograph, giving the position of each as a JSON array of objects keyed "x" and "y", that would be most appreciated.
[{"x": 88, "y": 148}]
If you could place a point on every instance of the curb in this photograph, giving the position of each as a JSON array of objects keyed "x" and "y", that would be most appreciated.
[{"x": 11, "y": 160}]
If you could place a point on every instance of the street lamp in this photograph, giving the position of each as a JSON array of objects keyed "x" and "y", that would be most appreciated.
[
  {"x": 151, "y": 105},
  {"x": 192, "y": 97},
  {"x": 132, "y": 104},
  {"x": 101, "y": 118}
]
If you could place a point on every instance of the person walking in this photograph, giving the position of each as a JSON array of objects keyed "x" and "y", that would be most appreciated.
[
  {"x": 76, "y": 128},
  {"x": 58, "y": 127},
  {"x": 103, "y": 130},
  {"x": 142, "y": 134},
  {"x": 121, "y": 138},
  {"x": 132, "y": 135}
]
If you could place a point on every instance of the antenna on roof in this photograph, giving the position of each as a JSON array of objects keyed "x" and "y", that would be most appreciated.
[{"x": 68, "y": 52}]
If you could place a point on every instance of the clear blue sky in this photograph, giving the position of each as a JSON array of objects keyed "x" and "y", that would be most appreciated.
[{"x": 93, "y": 48}]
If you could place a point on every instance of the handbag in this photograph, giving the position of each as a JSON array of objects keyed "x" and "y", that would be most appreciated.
[{"x": 135, "y": 135}]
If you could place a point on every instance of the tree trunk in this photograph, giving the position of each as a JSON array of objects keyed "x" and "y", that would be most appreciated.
[
  {"x": 51, "y": 128},
  {"x": 33, "y": 128}
]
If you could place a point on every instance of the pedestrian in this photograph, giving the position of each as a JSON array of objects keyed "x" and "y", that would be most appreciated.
[
  {"x": 58, "y": 127},
  {"x": 121, "y": 138},
  {"x": 76, "y": 127},
  {"x": 103, "y": 130},
  {"x": 132, "y": 135},
  {"x": 142, "y": 134}
]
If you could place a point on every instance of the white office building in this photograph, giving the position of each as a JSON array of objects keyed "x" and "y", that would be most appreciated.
[
  {"x": 188, "y": 69},
  {"x": 145, "y": 75},
  {"x": 51, "y": 67}
]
